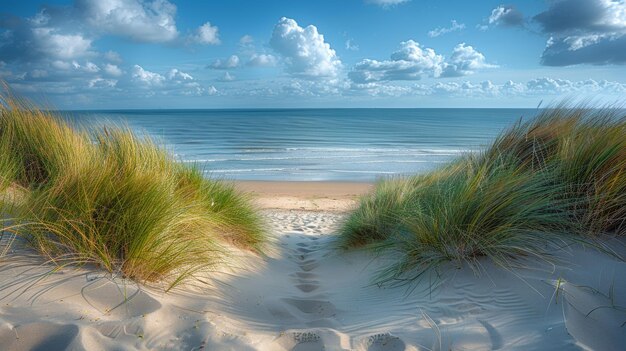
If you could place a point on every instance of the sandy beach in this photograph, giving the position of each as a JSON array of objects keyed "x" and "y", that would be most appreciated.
[
  {"x": 309, "y": 196},
  {"x": 305, "y": 295}
]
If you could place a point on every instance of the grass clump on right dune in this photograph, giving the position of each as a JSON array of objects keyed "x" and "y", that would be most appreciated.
[
  {"x": 541, "y": 182},
  {"x": 587, "y": 149},
  {"x": 109, "y": 197}
]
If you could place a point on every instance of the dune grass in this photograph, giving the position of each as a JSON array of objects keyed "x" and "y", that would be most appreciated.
[
  {"x": 558, "y": 177},
  {"x": 108, "y": 197},
  {"x": 587, "y": 148}
]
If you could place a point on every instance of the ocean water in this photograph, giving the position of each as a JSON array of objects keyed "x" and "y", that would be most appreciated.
[{"x": 315, "y": 144}]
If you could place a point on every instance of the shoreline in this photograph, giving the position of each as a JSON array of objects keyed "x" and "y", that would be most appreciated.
[{"x": 331, "y": 196}]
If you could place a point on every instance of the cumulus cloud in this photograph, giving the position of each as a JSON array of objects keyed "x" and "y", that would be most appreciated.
[
  {"x": 147, "y": 78},
  {"x": 100, "y": 83},
  {"x": 53, "y": 51},
  {"x": 535, "y": 88},
  {"x": 386, "y": 3},
  {"x": 304, "y": 50},
  {"x": 506, "y": 15},
  {"x": 543, "y": 86},
  {"x": 464, "y": 61},
  {"x": 246, "y": 40},
  {"x": 262, "y": 60},
  {"x": 64, "y": 46},
  {"x": 147, "y": 21},
  {"x": 175, "y": 74},
  {"x": 229, "y": 63},
  {"x": 412, "y": 62},
  {"x": 112, "y": 70},
  {"x": 174, "y": 82},
  {"x": 454, "y": 26},
  {"x": 207, "y": 34},
  {"x": 584, "y": 31}
]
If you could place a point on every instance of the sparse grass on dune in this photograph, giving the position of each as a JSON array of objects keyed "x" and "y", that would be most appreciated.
[
  {"x": 111, "y": 198},
  {"x": 541, "y": 182}
]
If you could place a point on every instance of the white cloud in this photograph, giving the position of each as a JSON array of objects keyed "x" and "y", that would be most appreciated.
[
  {"x": 146, "y": 77},
  {"x": 246, "y": 40},
  {"x": 584, "y": 31},
  {"x": 231, "y": 62},
  {"x": 63, "y": 46},
  {"x": 506, "y": 15},
  {"x": 412, "y": 62},
  {"x": 386, "y": 3},
  {"x": 465, "y": 60},
  {"x": 88, "y": 67},
  {"x": 304, "y": 50},
  {"x": 262, "y": 60},
  {"x": 112, "y": 70},
  {"x": 174, "y": 82},
  {"x": 148, "y": 21},
  {"x": 91, "y": 67},
  {"x": 175, "y": 74},
  {"x": 100, "y": 83},
  {"x": 454, "y": 26},
  {"x": 207, "y": 34},
  {"x": 538, "y": 87}
]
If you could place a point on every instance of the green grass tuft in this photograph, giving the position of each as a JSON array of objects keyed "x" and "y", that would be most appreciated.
[
  {"x": 109, "y": 197},
  {"x": 540, "y": 182}
]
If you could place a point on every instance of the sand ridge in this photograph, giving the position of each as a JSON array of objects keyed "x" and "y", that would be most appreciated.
[{"x": 305, "y": 295}]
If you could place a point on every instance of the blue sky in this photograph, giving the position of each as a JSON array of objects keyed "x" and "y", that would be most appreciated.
[{"x": 108, "y": 54}]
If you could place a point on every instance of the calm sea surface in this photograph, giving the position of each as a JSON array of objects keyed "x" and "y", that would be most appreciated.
[{"x": 315, "y": 144}]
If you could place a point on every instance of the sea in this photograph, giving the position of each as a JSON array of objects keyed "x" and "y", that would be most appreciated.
[{"x": 314, "y": 144}]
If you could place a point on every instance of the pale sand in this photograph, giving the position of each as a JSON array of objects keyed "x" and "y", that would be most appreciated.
[
  {"x": 306, "y": 296},
  {"x": 309, "y": 196}
]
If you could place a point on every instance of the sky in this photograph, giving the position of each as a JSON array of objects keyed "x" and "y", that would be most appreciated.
[{"x": 119, "y": 54}]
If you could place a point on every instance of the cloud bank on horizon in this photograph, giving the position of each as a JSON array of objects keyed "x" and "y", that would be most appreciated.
[{"x": 395, "y": 53}]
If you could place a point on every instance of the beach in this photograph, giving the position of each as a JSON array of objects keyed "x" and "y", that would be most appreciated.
[
  {"x": 309, "y": 196},
  {"x": 306, "y": 295},
  {"x": 281, "y": 176}
]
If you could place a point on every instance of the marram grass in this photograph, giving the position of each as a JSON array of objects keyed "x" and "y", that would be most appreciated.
[
  {"x": 559, "y": 177},
  {"x": 587, "y": 148},
  {"x": 108, "y": 197}
]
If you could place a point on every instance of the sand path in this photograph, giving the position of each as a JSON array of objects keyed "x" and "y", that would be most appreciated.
[{"x": 307, "y": 296}]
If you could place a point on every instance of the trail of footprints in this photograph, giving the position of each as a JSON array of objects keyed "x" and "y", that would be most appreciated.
[
  {"x": 303, "y": 248},
  {"x": 313, "y": 304}
]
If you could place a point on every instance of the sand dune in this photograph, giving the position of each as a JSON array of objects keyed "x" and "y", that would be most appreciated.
[{"x": 306, "y": 296}]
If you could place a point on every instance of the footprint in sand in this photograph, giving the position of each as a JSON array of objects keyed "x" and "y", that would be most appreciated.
[
  {"x": 307, "y": 287},
  {"x": 384, "y": 342},
  {"x": 300, "y": 341},
  {"x": 309, "y": 265}
]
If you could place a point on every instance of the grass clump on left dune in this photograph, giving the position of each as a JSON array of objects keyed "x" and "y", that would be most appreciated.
[{"x": 109, "y": 197}]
